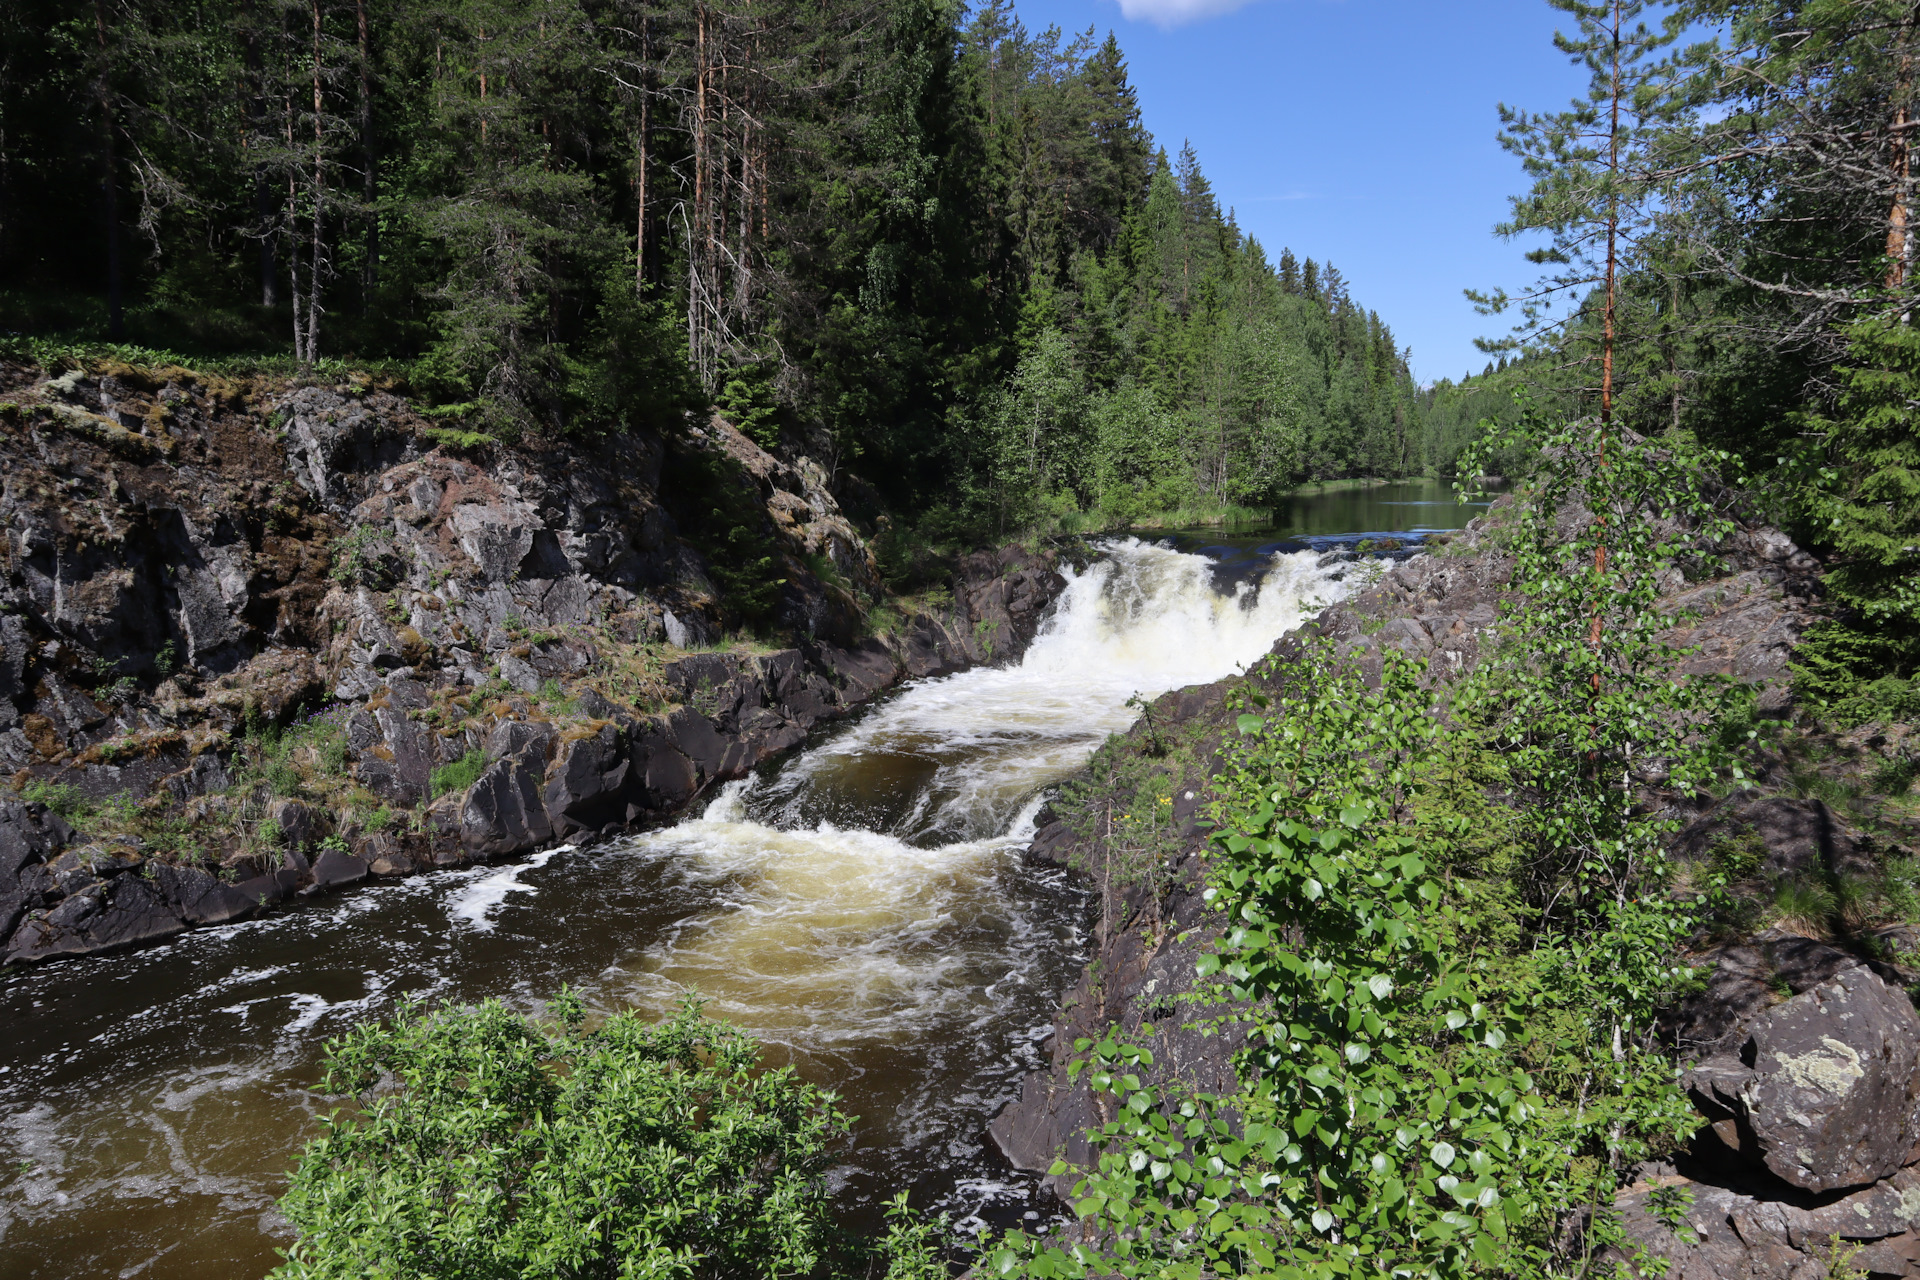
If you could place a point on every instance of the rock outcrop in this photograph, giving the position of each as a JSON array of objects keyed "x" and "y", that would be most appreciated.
[
  {"x": 1823, "y": 1090},
  {"x": 1808, "y": 1166},
  {"x": 287, "y": 619},
  {"x": 1439, "y": 606}
]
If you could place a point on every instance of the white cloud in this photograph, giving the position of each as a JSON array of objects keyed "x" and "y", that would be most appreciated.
[{"x": 1174, "y": 13}]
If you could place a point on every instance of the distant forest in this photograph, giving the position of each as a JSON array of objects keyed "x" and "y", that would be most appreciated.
[{"x": 928, "y": 246}]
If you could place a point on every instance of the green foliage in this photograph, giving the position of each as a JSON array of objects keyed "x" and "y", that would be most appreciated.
[
  {"x": 365, "y": 557},
  {"x": 63, "y": 798},
  {"x": 719, "y": 509},
  {"x": 1865, "y": 504},
  {"x": 749, "y": 401},
  {"x": 911, "y": 1247},
  {"x": 483, "y": 1144},
  {"x": 1448, "y": 1011},
  {"x": 456, "y": 776}
]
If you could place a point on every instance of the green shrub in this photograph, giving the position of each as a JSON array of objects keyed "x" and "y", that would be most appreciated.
[
  {"x": 487, "y": 1145},
  {"x": 63, "y": 798},
  {"x": 457, "y": 775}
]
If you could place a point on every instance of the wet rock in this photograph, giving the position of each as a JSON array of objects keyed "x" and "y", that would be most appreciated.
[
  {"x": 201, "y": 897},
  {"x": 1053, "y": 842},
  {"x": 503, "y": 812},
  {"x": 117, "y": 913},
  {"x": 334, "y": 869},
  {"x": 591, "y": 783},
  {"x": 1825, "y": 1086},
  {"x": 695, "y": 738},
  {"x": 669, "y": 777},
  {"x": 278, "y": 885}
]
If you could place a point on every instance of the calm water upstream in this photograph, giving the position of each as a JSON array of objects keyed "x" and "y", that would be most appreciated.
[{"x": 862, "y": 908}]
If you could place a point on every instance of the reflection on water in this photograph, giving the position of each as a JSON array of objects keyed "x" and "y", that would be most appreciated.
[
  {"x": 1402, "y": 506},
  {"x": 863, "y": 908},
  {"x": 1393, "y": 519}
]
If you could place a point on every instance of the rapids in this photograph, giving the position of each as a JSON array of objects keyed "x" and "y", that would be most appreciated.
[{"x": 863, "y": 908}]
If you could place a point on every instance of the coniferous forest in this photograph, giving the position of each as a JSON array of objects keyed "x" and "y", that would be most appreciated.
[
  {"x": 670, "y": 448},
  {"x": 936, "y": 248}
]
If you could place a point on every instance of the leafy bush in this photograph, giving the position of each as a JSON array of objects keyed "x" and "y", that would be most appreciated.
[
  {"x": 63, "y": 798},
  {"x": 457, "y": 775},
  {"x": 1425, "y": 1091},
  {"x": 486, "y": 1145}
]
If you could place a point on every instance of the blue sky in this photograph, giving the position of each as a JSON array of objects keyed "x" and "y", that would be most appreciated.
[{"x": 1360, "y": 131}]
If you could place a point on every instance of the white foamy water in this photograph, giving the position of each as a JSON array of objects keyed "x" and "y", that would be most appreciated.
[
  {"x": 863, "y": 908},
  {"x": 863, "y": 901},
  {"x": 475, "y": 904}
]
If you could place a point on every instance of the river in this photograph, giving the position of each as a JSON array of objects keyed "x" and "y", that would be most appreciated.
[{"x": 863, "y": 907}]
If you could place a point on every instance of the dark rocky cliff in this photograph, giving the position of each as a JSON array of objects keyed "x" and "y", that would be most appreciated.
[{"x": 260, "y": 640}]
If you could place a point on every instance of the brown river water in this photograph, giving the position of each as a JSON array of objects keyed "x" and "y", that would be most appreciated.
[{"x": 863, "y": 908}]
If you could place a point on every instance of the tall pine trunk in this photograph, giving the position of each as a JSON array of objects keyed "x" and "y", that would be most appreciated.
[
  {"x": 317, "y": 248},
  {"x": 109, "y": 183},
  {"x": 369, "y": 184},
  {"x": 1597, "y": 630}
]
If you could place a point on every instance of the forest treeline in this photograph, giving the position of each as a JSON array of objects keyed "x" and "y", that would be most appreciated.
[
  {"x": 1724, "y": 223},
  {"x": 929, "y": 246}
]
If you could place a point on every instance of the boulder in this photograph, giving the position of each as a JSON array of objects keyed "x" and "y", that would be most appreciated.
[
  {"x": 1741, "y": 982},
  {"x": 532, "y": 739},
  {"x": 295, "y": 820},
  {"x": 1824, "y": 1088},
  {"x": 591, "y": 783},
  {"x": 503, "y": 812},
  {"x": 200, "y": 897},
  {"x": 335, "y": 868},
  {"x": 30, "y": 835},
  {"x": 669, "y": 778},
  {"x": 694, "y": 736},
  {"x": 1735, "y": 1234},
  {"x": 107, "y": 916}
]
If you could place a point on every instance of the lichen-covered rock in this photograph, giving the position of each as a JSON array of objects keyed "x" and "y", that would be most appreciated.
[
  {"x": 1824, "y": 1088},
  {"x": 1737, "y": 1235}
]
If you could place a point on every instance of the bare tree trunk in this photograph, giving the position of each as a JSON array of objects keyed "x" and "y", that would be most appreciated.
[
  {"x": 262, "y": 181},
  {"x": 1899, "y": 234},
  {"x": 697, "y": 252},
  {"x": 316, "y": 250},
  {"x": 640, "y": 177},
  {"x": 369, "y": 185},
  {"x": 293, "y": 218},
  {"x": 109, "y": 184}
]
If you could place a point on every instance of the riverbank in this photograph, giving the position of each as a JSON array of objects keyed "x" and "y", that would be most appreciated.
[
  {"x": 265, "y": 640},
  {"x": 1135, "y": 826},
  {"x": 861, "y": 907}
]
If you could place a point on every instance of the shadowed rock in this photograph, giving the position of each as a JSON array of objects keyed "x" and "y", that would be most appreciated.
[{"x": 1824, "y": 1087}]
